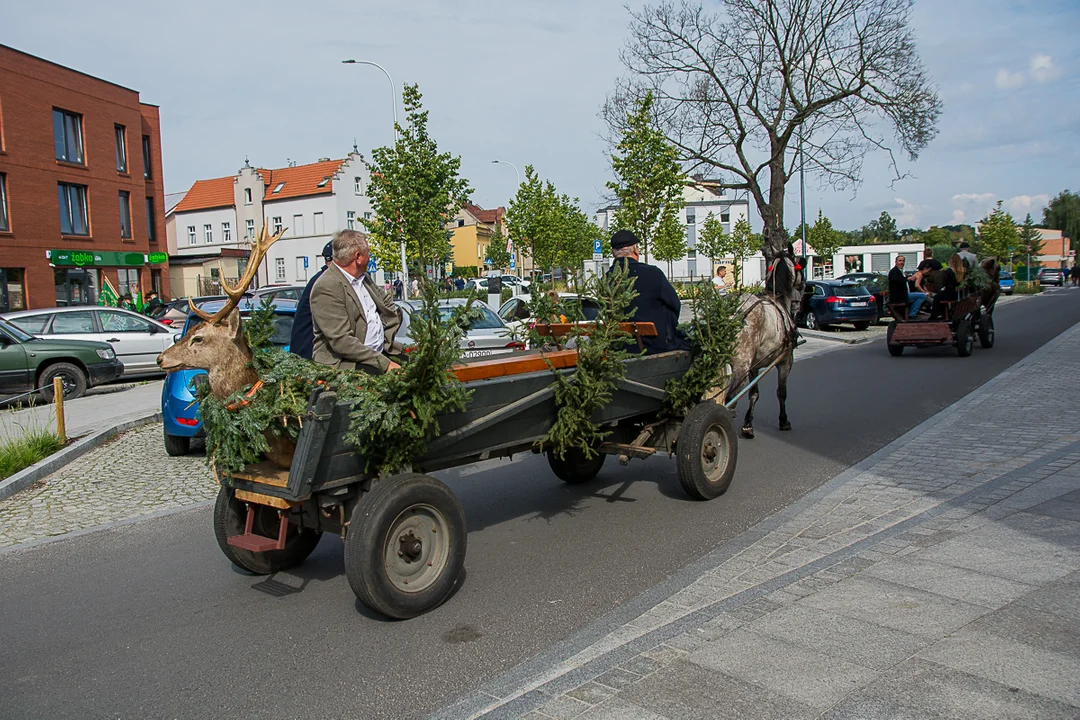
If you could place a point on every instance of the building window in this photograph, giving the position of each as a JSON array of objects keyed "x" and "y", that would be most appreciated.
[
  {"x": 226, "y": 232},
  {"x": 155, "y": 281},
  {"x": 146, "y": 156},
  {"x": 125, "y": 214},
  {"x": 190, "y": 234},
  {"x": 367, "y": 216},
  {"x": 12, "y": 292},
  {"x": 247, "y": 196},
  {"x": 301, "y": 269},
  {"x": 460, "y": 223},
  {"x": 151, "y": 233},
  {"x": 67, "y": 135},
  {"x": 74, "y": 219},
  {"x": 250, "y": 229},
  {"x": 279, "y": 269},
  {"x": 317, "y": 226},
  {"x": 297, "y": 225},
  {"x": 350, "y": 219},
  {"x": 691, "y": 216},
  {"x": 121, "y": 149},
  {"x": 358, "y": 186},
  {"x": 4, "y": 226},
  {"x": 322, "y": 183},
  {"x": 127, "y": 281},
  {"x": 277, "y": 225},
  {"x": 277, "y": 188},
  {"x": 208, "y": 233},
  {"x": 725, "y": 217}
]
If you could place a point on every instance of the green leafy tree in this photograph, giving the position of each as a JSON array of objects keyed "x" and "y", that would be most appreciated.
[
  {"x": 414, "y": 188},
  {"x": 886, "y": 229},
  {"x": 1063, "y": 213},
  {"x": 740, "y": 244},
  {"x": 936, "y": 236},
  {"x": 530, "y": 218},
  {"x": 824, "y": 239},
  {"x": 669, "y": 242},
  {"x": 942, "y": 253},
  {"x": 712, "y": 240},
  {"x": 649, "y": 181},
  {"x": 997, "y": 236},
  {"x": 1029, "y": 241},
  {"x": 497, "y": 252}
]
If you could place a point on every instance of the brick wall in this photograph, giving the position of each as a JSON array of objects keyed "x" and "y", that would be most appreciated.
[{"x": 29, "y": 90}]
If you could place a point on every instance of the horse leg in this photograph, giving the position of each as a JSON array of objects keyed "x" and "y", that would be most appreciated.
[
  {"x": 748, "y": 421},
  {"x": 783, "y": 370}
]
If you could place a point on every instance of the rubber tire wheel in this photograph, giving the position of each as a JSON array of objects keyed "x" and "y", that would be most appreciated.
[
  {"x": 365, "y": 544},
  {"x": 986, "y": 332},
  {"x": 575, "y": 468},
  {"x": 229, "y": 517},
  {"x": 688, "y": 453},
  {"x": 894, "y": 350},
  {"x": 861, "y": 325},
  {"x": 72, "y": 372},
  {"x": 964, "y": 340},
  {"x": 177, "y": 445},
  {"x": 811, "y": 321}
]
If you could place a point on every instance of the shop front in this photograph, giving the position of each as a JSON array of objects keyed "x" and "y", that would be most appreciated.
[{"x": 83, "y": 277}]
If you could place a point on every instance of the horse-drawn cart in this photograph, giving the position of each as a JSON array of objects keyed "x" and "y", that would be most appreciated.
[
  {"x": 954, "y": 323},
  {"x": 405, "y": 534}
]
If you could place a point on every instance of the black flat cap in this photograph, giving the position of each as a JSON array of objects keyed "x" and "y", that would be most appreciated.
[
  {"x": 328, "y": 250},
  {"x": 623, "y": 239}
]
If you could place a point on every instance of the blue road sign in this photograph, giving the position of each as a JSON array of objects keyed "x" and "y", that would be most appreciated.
[
  {"x": 372, "y": 266},
  {"x": 513, "y": 264},
  {"x": 598, "y": 247},
  {"x": 305, "y": 262}
]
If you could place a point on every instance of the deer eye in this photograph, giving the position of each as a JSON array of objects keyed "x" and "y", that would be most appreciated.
[{"x": 196, "y": 339}]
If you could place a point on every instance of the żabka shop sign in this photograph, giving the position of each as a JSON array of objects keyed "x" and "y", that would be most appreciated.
[{"x": 89, "y": 258}]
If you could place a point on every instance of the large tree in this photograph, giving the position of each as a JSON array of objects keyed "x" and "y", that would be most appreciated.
[
  {"x": 1063, "y": 213},
  {"x": 649, "y": 182},
  {"x": 414, "y": 189},
  {"x": 550, "y": 227},
  {"x": 997, "y": 235},
  {"x": 734, "y": 90}
]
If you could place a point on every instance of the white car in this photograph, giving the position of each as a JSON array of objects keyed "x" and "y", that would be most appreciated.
[
  {"x": 487, "y": 334},
  {"x": 136, "y": 339},
  {"x": 515, "y": 311}
]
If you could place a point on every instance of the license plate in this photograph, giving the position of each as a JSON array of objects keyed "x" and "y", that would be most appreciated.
[
  {"x": 859, "y": 304},
  {"x": 477, "y": 353}
]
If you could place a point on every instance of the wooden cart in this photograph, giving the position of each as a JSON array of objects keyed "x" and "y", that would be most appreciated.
[
  {"x": 960, "y": 322},
  {"x": 405, "y": 534}
]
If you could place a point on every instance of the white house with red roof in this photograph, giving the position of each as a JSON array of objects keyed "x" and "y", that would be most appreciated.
[{"x": 212, "y": 225}]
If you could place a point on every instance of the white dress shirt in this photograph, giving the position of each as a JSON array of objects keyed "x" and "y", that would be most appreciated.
[{"x": 374, "y": 339}]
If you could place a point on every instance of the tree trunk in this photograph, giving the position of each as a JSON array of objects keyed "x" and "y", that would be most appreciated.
[{"x": 772, "y": 212}]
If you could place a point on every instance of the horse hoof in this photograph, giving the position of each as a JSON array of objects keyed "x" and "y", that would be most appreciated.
[
  {"x": 748, "y": 432},
  {"x": 785, "y": 426}
]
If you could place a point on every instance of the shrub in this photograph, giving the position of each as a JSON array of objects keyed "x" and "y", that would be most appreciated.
[{"x": 20, "y": 450}]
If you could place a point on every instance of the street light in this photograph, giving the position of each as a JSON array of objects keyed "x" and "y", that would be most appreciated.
[
  {"x": 518, "y": 173},
  {"x": 393, "y": 104}
]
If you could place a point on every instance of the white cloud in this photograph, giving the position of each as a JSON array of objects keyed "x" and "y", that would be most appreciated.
[
  {"x": 957, "y": 217},
  {"x": 972, "y": 198},
  {"x": 1021, "y": 205},
  {"x": 1043, "y": 69},
  {"x": 906, "y": 214},
  {"x": 973, "y": 205},
  {"x": 1006, "y": 80}
]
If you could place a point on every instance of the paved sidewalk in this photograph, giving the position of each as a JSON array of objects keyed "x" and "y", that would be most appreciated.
[
  {"x": 940, "y": 577},
  {"x": 89, "y": 413}
]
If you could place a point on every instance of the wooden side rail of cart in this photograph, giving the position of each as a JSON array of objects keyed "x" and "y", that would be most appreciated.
[{"x": 558, "y": 331}]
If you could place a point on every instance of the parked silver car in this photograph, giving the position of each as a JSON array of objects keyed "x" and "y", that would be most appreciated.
[
  {"x": 487, "y": 335},
  {"x": 136, "y": 339}
]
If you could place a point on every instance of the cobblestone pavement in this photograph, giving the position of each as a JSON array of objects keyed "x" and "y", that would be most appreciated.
[
  {"x": 939, "y": 577},
  {"x": 126, "y": 477}
]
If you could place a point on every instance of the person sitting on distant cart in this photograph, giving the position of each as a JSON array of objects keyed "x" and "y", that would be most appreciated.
[
  {"x": 898, "y": 289},
  {"x": 951, "y": 277}
]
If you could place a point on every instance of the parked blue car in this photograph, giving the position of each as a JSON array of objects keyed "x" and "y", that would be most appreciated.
[
  {"x": 830, "y": 302},
  {"x": 179, "y": 409},
  {"x": 1005, "y": 280}
]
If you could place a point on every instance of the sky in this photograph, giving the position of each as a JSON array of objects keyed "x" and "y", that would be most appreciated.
[{"x": 522, "y": 81}]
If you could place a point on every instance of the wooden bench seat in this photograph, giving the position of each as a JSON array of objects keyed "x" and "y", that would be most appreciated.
[
  {"x": 514, "y": 364},
  {"x": 643, "y": 329}
]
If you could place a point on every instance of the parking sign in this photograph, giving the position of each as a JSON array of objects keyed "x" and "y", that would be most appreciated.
[{"x": 597, "y": 250}]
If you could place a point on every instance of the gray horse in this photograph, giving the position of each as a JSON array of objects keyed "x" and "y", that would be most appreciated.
[{"x": 768, "y": 336}]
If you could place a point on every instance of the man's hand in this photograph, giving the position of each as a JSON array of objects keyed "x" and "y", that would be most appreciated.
[{"x": 392, "y": 366}]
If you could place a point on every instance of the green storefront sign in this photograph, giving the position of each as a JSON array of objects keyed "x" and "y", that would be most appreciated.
[{"x": 91, "y": 258}]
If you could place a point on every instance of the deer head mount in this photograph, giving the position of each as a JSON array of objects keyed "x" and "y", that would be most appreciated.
[{"x": 217, "y": 344}]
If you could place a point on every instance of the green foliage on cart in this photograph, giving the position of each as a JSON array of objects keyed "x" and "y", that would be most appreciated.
[
  {"x": 261, "y": 324},
  {"x": 713, "y": 333},
  {"x": 975, "y": 280}
]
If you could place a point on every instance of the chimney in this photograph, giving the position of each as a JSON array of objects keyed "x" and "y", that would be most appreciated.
[{"x": 324, "y": 159}]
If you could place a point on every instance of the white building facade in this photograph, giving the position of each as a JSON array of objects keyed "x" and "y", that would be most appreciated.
[{"x": 700, "y": 203}]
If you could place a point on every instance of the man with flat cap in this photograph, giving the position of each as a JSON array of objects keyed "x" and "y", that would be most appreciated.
[
  {"x": 302, "y": 340},
  {"x": 656, "y": 301}
]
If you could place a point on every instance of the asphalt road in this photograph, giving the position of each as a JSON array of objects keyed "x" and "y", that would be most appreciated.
[{"x": 149, "y": 620}]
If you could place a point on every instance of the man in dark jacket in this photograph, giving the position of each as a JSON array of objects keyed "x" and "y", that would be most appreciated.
[
  {"x": 302, "y": 340},
  {"x": 899, "y": 292},
  {"x": 656, "y": 300}
]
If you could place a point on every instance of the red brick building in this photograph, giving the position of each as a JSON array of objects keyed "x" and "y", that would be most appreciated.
[{"x": 81, "y": 191}]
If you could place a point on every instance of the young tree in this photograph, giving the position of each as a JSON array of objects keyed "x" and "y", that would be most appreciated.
[
  {"x": 1063, "y": 213},
  {"x": 1029, "y": 242},
  {"x": 936, "y": 236},
  {"x": 741, "y": 244},
  {"x": 528, "y": 219},
  {"x": 712, "y": 240},
  {"x": 669, "y": 240},
  {"x": 414, "y": 188},
  {"x": 886, "y": 228},
  {"x": 649, "y": 181},
  {"x": 497, "y": 252},
  {"x": 736, "y": 88},
  {"x": 998, "y": 236},
  {"x": 824, "y": 240}
]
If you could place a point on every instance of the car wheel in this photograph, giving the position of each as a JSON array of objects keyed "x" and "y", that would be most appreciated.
[
  {"x": 861, "y": 325},
  {"x": 811, "y": 321},
  {"x": 177, "y": 445},
  {"x": 72, "y": 377}
]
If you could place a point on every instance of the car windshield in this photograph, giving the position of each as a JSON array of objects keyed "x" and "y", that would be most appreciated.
[
  {"x": 1004, "y": 275},
  {"x": 15, "y": 332},
  {"x": 849, "y": 290},
  {"x": 486, "y": 320}
]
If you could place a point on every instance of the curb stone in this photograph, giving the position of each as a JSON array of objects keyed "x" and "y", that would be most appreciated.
[{"x": 25, "y": 478}]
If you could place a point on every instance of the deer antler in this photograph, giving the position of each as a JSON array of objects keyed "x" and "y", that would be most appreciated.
[{"x": 258, "y": 251}]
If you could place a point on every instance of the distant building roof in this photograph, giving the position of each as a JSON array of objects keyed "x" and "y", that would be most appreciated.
[
  {"x": 207, "y": 194},
  {"x": 288, "y": 182}
]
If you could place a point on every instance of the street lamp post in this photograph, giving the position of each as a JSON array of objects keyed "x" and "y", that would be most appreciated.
[
  {"x": 518, "y": 173},
  {"x": 393, "y": 104}
]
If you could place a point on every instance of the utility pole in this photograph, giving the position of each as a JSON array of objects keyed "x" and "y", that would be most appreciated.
[{"x": 802, "y": 190}]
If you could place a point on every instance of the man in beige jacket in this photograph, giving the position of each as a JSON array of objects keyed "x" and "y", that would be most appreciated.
[{"x": 354, "y": 322}]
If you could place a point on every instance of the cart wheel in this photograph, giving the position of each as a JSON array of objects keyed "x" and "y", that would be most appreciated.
[
  {"x": 405, "y": 547},
  {"x": 894, "y": 350},
  {"x": 986, "y": 332},
  {"x": 964, "y": 340},
  {"x": 707, "y": 451},
  {"x": 575, "y": 468},
  {"x": 229, "y": 517}
]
